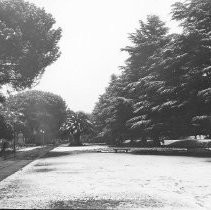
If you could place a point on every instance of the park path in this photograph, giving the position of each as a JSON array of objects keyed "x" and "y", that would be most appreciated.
[{"x": 81, "y": 177}]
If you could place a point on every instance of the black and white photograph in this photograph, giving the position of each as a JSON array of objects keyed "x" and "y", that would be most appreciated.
[{"x": 105, "y": 104}]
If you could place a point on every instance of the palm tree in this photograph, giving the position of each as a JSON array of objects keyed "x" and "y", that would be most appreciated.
[{"x": 76, "y": 124}]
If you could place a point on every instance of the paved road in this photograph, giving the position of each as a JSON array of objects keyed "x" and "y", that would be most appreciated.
[{"x": 72, "y": 178}]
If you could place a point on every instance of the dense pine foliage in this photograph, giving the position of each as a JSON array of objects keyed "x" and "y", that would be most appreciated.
[{"x": 164, "y": 89}]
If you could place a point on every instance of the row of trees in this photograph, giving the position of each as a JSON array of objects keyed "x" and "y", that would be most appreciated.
[
  {"x": 28, "y": 44},
  {"x": 42, "y": 116},
  {"x": 164, "y": 90}
]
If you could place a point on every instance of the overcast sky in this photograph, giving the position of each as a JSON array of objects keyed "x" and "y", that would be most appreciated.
[{"x": 94, "y": 31}]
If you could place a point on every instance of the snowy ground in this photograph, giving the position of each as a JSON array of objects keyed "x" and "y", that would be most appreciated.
[{"x": 69, "y": 178}]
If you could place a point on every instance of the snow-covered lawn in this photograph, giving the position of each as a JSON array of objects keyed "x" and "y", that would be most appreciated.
[{"x": 109, "y": 180}]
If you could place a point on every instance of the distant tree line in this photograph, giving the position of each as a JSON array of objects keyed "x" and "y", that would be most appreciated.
[{"x": 164, "y": 89}]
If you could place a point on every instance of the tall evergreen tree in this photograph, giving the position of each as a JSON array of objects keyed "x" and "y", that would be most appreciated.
[
  {"x": 166, "y": 79},
  {"x": 194, "y": 50},
  {"x": 148, "y": 42}
]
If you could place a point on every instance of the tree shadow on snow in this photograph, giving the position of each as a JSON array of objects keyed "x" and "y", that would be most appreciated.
[{"x": 52, "y": 154}]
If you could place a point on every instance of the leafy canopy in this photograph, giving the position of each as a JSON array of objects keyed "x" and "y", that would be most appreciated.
[
  {"x": 28, "y": 43},
  {"x": 41, "y": 110}
]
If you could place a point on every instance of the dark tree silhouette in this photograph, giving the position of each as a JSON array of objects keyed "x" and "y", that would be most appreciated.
[{"x": 28, "y": 43}]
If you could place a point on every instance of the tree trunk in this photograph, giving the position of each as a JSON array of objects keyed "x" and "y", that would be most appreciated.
[
  {"x": 69, "y": 139},
  {"x": 156, "y": 141},
  {"x": 144, "y": 139},
  {"x": 77, "y": 139}
]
